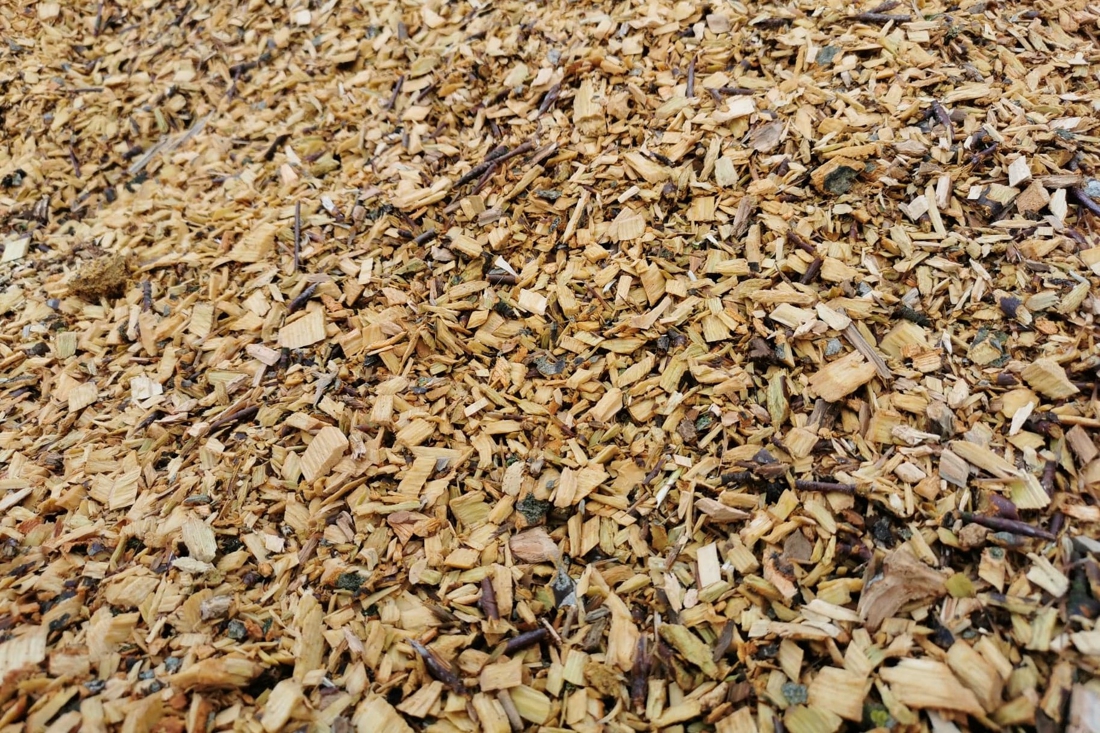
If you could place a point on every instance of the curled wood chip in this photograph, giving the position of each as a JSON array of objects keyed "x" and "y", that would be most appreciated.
[{"x": 902, "y": 579}]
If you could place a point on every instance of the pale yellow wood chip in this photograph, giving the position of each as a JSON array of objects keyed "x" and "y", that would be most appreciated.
[
  {"x": 842, "y": 377},
  {"x": 82, "y": 395},
  {"x": 305, "y": 331},
  {"x": 284, "y": 697},
  {"x": 324, "y": 451}
]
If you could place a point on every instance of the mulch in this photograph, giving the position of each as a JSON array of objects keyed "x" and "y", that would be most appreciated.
[{"x": 552, "y": 366}]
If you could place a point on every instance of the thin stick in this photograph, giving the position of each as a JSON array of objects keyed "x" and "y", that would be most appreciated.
[
  {"x": 483, "y": 166},
  {"x": 438, "y": 669},
  {"x": 302, "y": 298},
  {"x": 549, "y": 98},
  {"x": 396, "y": 90},
  {"x": 689, "y": 92},
  {"x": 297, "y": 233},
  {"x": 488, "y": 599},
  {"x": 735, "y": 91},
  {"x": 524, "y": 640},
  {"x": 1000, "y": 524},
  {"x": 425, "y": 237},
  {"x": 1085, "y": 200},
  {"x": 552, "y": 631},
  {"x": 514, "y": 721},
  {"x": 879, "y": 18},
  {"x": 494, "y": 159},
  {"x": 824, "y": 486},
  {"x": 812, "y": 271}
]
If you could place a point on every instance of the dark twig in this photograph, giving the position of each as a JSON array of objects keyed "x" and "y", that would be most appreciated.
[
  {"x": 639, "y": 675},
  {"x": 824, "y": 486},
  {"x": 74, "y": 161},
  {"x": 245, "y": 413},
  {"x": 489, "y": 599},
  {"x": 438, "y": 669},
  {"x": 396, "y": 90},
  {"x": 944, "y": 118},
  {"x": 734, "y": 91},
  {"x": 425, "y": 237},
  {"x": 794, "y": 238},
  {"x": 1050, "y": 468},
  {"x": 812, "y": 271},
  {"x": 485, "y": 178},
  {"x": 524, "y": 640},
  {"x": 297, "y": 233},
  {"x": 1085, "y": 200},
  {"x": 494, "y": 155},
  {"x": 519, "y": 150},
  {"x": 1000, "y": 524},
  {"x": 548, "y": 99},
  {"x": 879, "y": 18},
  {"x": 689, "y": 91},
  {"x": 301, "y": 299}
]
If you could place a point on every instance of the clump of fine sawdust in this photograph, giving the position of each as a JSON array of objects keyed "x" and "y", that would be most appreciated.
[{"x": 103, "y": 277}]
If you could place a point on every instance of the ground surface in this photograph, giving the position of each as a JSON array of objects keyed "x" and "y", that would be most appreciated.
[{"x": 454, "y": 366}]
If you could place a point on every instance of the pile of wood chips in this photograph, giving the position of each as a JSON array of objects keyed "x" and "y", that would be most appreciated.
[{"x": 459, "y": 366}]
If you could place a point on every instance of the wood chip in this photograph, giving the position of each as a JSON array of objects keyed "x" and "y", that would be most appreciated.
[
  {"x": 503, "y": 366},
  {"x": 324, "y": 451}
]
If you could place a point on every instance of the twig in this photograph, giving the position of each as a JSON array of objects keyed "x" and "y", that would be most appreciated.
[
  {"x": 425, "y": 237},
  {"x": 483, "y": 166},
  {"x": 1085, "y": 200},
  {"x": 794, "y": 238},
  {"x": 1000, "y": 524},
  {"x": 734, "y": 91},
  {"x": 485, "y": 178},
  {"x": 1050, "y": 468},
  {"x": 554, "y": 632},
  {"x": 689, "y": 91},
  {"x": 824, "y": 486},
  {"x": 297, "y": 233},
  {"x": 548, "y": 99},
  {"x": 302, "y": 298},
  {"x": 515, "y": 722},
  {"x": 639, "y": 675},
  {"x": 738, "y": 477},
  {"x": 879, "y": 18},
  {"x": 396, "y": 90},
  {"x": 74, "y": 161},
  {"x": 245, "y": 413},
  {"x": 524, "y": 640},
  {"x": 812, "y": 271},
  {"x": 984, "y": 153},
  {"x": 488, "y": 599},
  {"x": 438, "y": 669}
]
